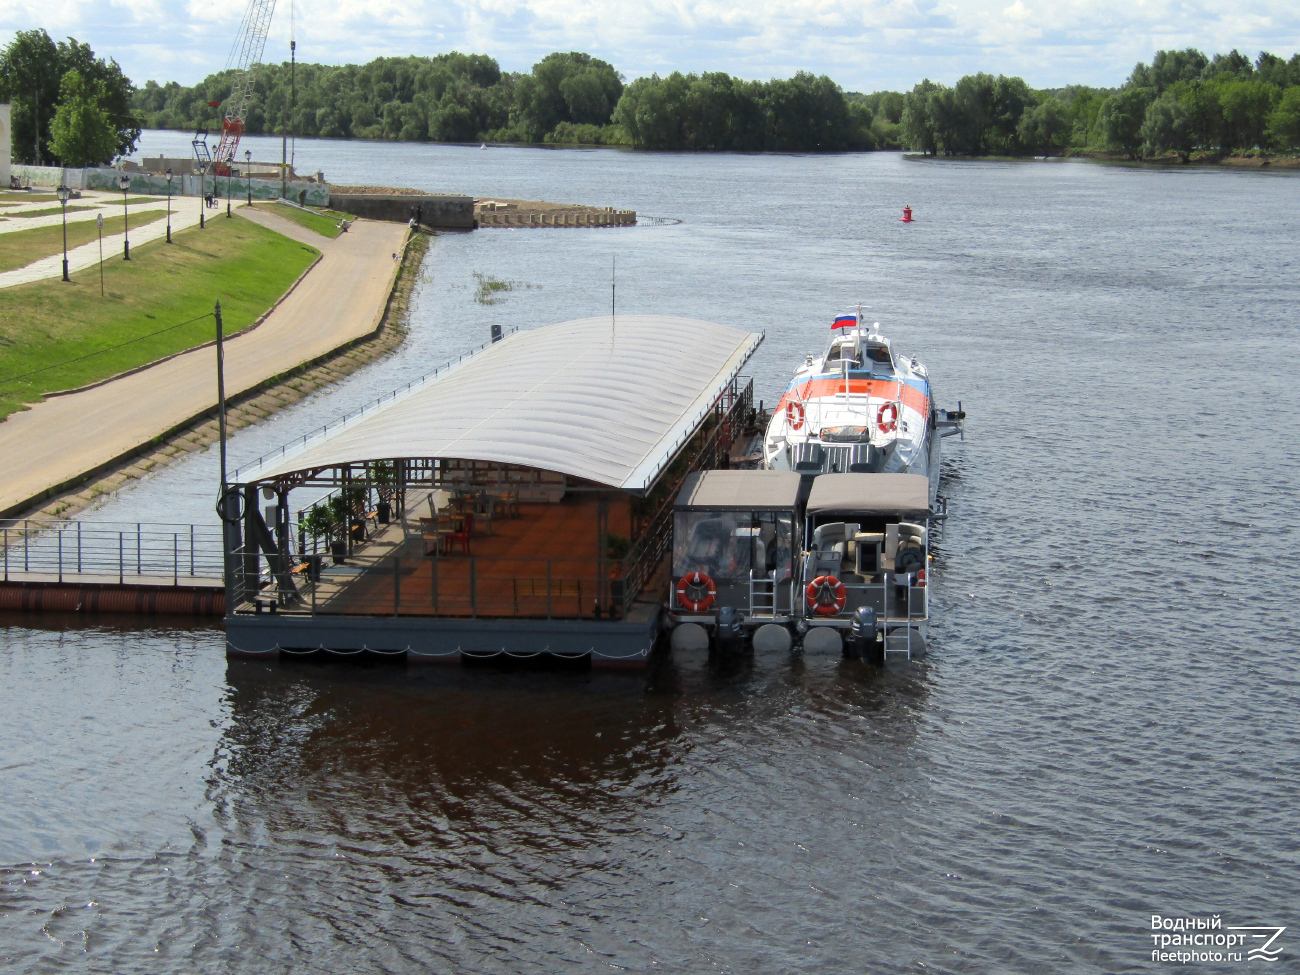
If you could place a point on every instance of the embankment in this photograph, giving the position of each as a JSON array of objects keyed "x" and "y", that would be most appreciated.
[{"x": 252, "y": 403}]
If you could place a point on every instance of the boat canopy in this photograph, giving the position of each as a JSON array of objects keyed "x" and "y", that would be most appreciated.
[
  {"x": 739, "y": 490},
  {"x": 608, "y": 401},
  {"x": 870, "y": 494}
]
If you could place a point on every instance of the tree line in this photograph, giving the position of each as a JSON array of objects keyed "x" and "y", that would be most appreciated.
[
  {"x": 566, "y": 98},
  {"x": 80, "y": 110},
  {"x": 1181, "y": 103}
]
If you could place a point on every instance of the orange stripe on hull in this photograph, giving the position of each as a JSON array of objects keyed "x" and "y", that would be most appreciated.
[{"x": 879, "y": 388}]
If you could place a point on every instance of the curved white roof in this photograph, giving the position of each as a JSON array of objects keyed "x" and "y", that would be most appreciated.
[{"x": 611, "y": 404}]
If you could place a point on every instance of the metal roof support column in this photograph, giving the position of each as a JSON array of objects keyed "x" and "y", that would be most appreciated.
[
  {"x": 602, "y": 549},
  {"x": 251, "y": 570}
]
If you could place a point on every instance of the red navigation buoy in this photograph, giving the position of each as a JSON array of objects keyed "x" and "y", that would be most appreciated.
[{"x": 907, "y": 215}]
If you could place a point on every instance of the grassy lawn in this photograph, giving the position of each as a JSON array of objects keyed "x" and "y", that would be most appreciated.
[
  {"x": 20, "y": 197},
  {"x": 323, "y": 222},
  {"x": 47, "y": 324},
  {"x": 49, "y": 212},
  {"x": 19, "y": 248}
]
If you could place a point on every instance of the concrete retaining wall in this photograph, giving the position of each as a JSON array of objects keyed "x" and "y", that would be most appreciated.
[
  {"x": 105, "y": 178},
  {"x": 441, "y": 212}
]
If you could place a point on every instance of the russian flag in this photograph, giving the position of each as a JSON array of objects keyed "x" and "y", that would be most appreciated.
[{"x": 844, "y": 321}]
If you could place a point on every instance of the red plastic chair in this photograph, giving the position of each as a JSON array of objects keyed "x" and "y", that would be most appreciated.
[{"x": 462, "y": 536}]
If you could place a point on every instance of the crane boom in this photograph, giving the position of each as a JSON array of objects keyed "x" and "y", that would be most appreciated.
[{"x": 245, "y": 56}]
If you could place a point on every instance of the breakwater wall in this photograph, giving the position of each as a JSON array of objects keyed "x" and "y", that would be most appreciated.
[
  {"x": 438, "y": 212},
  {"x": 561, "y": 218},
  {"x": 537, "y": 213}
]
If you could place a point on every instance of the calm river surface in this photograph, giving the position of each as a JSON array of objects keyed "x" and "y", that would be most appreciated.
[{"x": 1106, "y": 728}]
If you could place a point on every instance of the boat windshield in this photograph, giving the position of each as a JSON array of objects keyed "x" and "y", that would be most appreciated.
[
  {"x": 726, "y": 545},
  {"x": 842, "y": 351}
]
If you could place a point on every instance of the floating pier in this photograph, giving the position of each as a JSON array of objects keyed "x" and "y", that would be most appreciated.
[{"x": 517, "y": 503}]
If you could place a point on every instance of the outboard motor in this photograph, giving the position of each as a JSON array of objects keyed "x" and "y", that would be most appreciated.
[
  {"x": 729, "y": 635},
  {"x": 864, "y": 641}
]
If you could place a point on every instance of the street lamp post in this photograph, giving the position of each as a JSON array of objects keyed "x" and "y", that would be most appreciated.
[
  {"x": 64, "y": 193},
  {"x": 229, "y": 173},
  {"x": 203, "y": 200},
  {"x": 124, "y": 183},
  {"x": 169, "y": 206},
  {"x": 248, "y": 180}
]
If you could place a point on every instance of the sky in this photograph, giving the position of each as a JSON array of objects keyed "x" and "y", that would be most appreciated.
[{"x": 865, "y": 45}]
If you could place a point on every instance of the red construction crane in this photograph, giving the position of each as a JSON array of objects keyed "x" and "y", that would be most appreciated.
[{"x": 245, "y": 56}]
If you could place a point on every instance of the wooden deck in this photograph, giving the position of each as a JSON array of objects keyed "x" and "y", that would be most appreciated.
[{"x": 541, "y": 564}]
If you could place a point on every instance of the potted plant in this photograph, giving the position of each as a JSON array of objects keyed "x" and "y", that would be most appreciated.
[{"x": 383, "y": 474}]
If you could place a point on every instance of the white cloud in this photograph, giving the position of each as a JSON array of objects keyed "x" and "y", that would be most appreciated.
[{"x": 863, "y": 44}]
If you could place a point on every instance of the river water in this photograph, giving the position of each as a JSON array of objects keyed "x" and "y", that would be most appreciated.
[{"x": 1106, "y": 727}]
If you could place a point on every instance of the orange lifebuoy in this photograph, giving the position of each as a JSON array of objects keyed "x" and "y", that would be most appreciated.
[
  {"x": 826, "y": 596},
  {"x": 794, "y": 415},
  {"x": 696, "y": 591},
  {"x": 890, "y": 425}
]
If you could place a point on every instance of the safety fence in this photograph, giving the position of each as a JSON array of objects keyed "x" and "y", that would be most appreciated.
[{"x": 110, "y": 551}]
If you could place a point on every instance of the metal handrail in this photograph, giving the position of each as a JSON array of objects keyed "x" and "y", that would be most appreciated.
[{"x": 70, "y": 550}]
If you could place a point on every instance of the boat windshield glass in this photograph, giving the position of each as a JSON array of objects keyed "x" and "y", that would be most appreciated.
[
  {"x": 840, "y": 352},
  {"x": 706, "y": 541},
  {"x": 726, "y": 545}
]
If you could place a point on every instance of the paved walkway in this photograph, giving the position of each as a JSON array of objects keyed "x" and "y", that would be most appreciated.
[
  {"x": 342, "y": 298},
  {"x": 87, "y": 255}
]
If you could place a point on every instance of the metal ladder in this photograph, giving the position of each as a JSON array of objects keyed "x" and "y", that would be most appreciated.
[
  {"x": 762, "y": 595},
  {"x": 907, "y": 617}
]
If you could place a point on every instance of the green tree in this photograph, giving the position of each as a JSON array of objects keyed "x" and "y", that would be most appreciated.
[
  {"x": 29, "y": 79},
  {"x": 918, "y": 123},
  {"x": 1284, "y": 121},
  {"x": 1046, "y": 128},
  {"x": 1166, "y": 128},
  {"x": 1246, "y": 109},
  {"x": 1168, "y": 68},
  {"x": 1234, "y": 63},
  {"x": 571, "y": 87},
  {"x": 1084, "y": 107},
  {"x": 969, "y": 120},
  {"x": 82, "y": 134},
  {"x": 1204, "y": 113},
  {"x": 1122, "y": 116},
  {"x": 32, "y": 68},
  {"x": 806, "y": 113},
  {"x": 1276, "y": 71},
  {"x": 1011, "y": 99}
]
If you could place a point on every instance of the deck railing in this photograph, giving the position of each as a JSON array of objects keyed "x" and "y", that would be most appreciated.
[
  {"x": 404, "y": 584},
  {"x": 109, "y": 551},
  {"x": 730, "y": 415}
]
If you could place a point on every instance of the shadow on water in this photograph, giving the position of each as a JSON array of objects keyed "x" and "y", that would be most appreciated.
[{"x": 490, "y": 819}]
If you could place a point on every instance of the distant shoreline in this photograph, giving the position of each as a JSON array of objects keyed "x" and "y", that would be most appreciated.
[{"x": 1204, "y": 160}]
